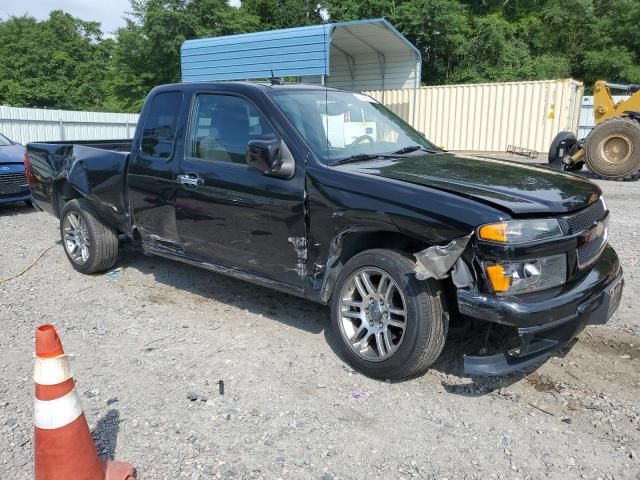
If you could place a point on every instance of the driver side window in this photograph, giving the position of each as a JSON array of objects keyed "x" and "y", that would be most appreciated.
[{"x": 223, "y": 125}]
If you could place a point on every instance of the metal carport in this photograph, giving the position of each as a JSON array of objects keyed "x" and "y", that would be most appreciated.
[{"x": 358, "y": 55}]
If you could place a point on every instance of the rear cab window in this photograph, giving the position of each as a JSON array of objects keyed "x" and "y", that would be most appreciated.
[{"x": 160, "y": 123}]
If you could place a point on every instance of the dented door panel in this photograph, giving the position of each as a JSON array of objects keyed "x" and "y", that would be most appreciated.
[
  {"x": 242, "y": 218},
  {"x": 233, "y": 215}
]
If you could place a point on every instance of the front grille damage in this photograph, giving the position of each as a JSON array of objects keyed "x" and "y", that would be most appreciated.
[{"x": 591, "y": 224}]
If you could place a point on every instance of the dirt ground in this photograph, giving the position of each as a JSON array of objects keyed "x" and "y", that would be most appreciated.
[{"x": 152, "y": 344}]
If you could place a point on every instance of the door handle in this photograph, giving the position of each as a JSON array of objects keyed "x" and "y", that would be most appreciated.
[{"x": 190, "y": 179}]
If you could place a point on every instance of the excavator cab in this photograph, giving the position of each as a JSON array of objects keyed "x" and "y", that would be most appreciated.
[{"x": 612, "y": 148}]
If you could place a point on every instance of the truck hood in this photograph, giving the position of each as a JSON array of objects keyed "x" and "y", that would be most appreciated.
[
  {"x": 520, "y": 189},
  {"x": 11, "y": 154}
]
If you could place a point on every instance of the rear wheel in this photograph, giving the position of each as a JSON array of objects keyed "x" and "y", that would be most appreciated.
[
  {"x": 388, "y": 323},
  {"x": 90, "y": 245},
  {"x": 612, "y": 149}
]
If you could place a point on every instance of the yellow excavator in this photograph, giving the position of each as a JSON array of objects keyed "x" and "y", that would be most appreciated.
[{"x": 612, "y": 148}]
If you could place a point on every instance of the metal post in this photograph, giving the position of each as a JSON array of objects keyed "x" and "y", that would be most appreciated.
[{"x": 61, "y": 124}]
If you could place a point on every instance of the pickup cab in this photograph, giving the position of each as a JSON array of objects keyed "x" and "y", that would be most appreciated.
[{"x": 273, "y": 185}]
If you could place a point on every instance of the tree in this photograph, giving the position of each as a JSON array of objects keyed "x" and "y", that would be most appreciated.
[
  {"x": 56, "y": 63},
  {"x": 440, "y": 29},
  {"x": 613, "y": 51},
  {"x": 147, "y": 51},
  {"x": 273, "y": 14},
  {"x": 65, "y": 62}
]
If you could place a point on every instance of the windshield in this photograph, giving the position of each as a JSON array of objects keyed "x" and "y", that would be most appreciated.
[
  {"x": 4, "y": 141},
  {"x": 341, "y": 125}
]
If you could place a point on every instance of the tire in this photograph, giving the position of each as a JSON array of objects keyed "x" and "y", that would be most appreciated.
[
  {"x": 425, "y": 325},
  {"x": 561, "y": 146},
  {"x": 80, "y": 224},
  {"x": 28, "y": 203},
  {"x": 612, "y": 149}
]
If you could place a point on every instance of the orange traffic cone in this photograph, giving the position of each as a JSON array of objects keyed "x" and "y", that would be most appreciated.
[{"x": 64, "y": 448}]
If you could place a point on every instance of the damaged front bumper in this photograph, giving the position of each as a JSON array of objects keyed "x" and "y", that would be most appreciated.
[{"x": 545, "y": 321}]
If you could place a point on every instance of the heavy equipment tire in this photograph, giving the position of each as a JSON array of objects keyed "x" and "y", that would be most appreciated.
[
  {"x": 90, "y": 245},
  {"x": 612, "y": 149},
  {"x": 388, "y": 324},
  {"x": 560, "y": 148}
]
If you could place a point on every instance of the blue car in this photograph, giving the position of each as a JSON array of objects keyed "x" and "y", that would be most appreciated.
[{"x": 13, "y": 182}]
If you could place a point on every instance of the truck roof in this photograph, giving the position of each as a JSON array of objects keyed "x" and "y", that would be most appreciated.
[{"x": 238, "y": 86}]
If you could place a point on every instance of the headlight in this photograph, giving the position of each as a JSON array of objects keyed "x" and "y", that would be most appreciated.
[
  {"x": 520, "y": 231},
  {"x": 527, "y": 276}
]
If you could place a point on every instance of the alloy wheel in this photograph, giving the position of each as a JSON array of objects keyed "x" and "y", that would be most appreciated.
[
  {"x": 76, "y": 237},
  {"x": 373, "y": 314}
]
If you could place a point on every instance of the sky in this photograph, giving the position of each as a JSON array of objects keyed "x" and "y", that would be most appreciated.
[{"x": 108, "y": 12}]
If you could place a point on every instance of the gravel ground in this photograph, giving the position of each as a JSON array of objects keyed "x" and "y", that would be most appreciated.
[{"x": 151, "y": 346}]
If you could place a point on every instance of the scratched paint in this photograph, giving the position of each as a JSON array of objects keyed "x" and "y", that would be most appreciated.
[{"x": 300, "y": 246}]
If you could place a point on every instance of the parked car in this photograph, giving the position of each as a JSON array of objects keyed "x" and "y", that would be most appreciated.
[
  {"x": 13, "y": 183},
  {"x": 398, "y": 236}
]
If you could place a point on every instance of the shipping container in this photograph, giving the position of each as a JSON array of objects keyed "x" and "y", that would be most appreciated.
[{"x": 489, "y": 117}]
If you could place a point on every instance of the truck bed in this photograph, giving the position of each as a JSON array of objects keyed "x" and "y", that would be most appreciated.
[{"x": 95, "y": 170}]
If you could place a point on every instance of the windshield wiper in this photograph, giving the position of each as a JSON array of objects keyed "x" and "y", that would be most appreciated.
[
  {"x": 413, "y": 148},
  {"x": 361, "y": 157}
]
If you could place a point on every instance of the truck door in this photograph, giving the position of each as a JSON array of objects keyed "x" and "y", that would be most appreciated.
[
  {"x": 228, "y": 213},
  {"x": 150, "y": 177}
]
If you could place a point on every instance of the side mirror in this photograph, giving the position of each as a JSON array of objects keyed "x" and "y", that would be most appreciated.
[{"x": 271, "y": 157}]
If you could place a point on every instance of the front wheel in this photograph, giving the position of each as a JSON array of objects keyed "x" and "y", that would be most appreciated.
[
  {"x": 90, "y": 245},
  {"x": 612, "y": 149},
  {"x": 388, "y": 323}
]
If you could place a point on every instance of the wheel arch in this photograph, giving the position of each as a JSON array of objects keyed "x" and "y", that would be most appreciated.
[
  {"x": 63, "y": 191},
  {"x": 353, "y": 241}
]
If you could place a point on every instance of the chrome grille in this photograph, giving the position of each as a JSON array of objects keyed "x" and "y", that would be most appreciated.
[
  {"x": 585, "y": 219},
  {"x": 9, "y": 178}
]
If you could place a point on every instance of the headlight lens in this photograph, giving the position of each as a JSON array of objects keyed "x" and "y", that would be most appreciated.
[
  {"x": 520, "y": 231},
  {"x": 527, "y": 276}
]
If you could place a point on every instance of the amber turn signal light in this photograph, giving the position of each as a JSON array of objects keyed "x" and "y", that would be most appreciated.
[
  {"x": 499, "y": 281},
  {"x": 496, "y": 232}
]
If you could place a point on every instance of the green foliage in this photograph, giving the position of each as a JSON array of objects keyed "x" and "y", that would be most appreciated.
[
  {"x": 273, "y": 14},
  {"x": 57, "y": 63},
  {"x": 441, "y": 30},
  {"x": 65, "y": 62},
  {"x": 147, "y": 50}
]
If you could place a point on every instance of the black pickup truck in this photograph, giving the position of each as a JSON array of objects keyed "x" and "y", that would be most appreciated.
[{"x": 327, "y": 195}]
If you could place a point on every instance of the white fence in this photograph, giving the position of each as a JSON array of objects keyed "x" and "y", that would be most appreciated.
[
  {"x": 491, "y": 116},
  {"x": 25, "y": 125}
]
